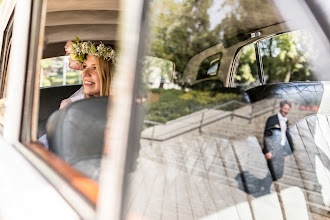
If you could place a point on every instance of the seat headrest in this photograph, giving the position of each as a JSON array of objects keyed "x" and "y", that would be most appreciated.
[{"x": 76, "y": 132}]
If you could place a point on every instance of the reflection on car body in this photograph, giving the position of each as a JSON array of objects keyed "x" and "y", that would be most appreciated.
[{"x": 202, "y": 150}]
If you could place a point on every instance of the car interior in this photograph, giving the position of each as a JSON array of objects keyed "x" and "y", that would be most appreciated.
[{"x": 63, "y": 24}]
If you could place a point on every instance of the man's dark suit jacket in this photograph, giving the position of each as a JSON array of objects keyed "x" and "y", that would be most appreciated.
[{"x": 270, "y": 124}]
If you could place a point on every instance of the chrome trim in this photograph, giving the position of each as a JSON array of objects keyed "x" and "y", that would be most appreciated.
[
  {"x": 259, "y": 63},
  {"x": 6, "y": 10}
]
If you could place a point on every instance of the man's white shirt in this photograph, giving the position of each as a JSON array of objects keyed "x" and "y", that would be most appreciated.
[{"x": 283, "y": 121}]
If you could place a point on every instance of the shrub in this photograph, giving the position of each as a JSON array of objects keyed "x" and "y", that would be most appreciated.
[{"x": 174, "y": 103}]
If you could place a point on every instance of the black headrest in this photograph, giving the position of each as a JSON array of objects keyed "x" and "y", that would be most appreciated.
[
  {"x": 76, "y": 132},
  {"x": 50, "y": 99},
  {"x": 306, "y": 93}
]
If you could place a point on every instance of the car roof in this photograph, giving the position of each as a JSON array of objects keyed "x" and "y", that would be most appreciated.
[{"x": 89, "y": 20}]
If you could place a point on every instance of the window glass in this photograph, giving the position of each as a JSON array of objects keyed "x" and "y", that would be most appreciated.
[
  {"x": 289, "y": 57},
  {"x": 80, "y": 146},
  {"x": 207, "y": 151},
  {"x": 247, "y": 70},
  {"x": 55, "y": 71}
]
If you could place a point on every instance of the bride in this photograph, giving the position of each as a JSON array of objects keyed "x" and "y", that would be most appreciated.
[{"x": 97, "y": 64}]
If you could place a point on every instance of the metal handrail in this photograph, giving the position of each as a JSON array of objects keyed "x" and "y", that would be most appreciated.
[
  {"x": 153, "y": 122},
  {"x": 201, "y": 124},
  {"x": 230, "y": 102}
]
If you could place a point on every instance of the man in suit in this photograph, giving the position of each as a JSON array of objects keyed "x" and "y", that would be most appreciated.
[{"x": 277, "y": 140}]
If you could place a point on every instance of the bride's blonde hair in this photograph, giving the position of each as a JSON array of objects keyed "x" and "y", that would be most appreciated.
[{"x": 105, "y": 75}]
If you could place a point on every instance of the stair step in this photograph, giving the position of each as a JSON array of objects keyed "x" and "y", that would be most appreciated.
[{"x": 319, "y": 209}]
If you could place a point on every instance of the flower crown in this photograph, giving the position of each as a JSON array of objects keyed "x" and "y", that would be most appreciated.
[{"x": 79, "y": 50}]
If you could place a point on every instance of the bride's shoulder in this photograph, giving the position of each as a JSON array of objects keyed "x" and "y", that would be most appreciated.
[
  {"x": 65, "y": 102},
  {"x": 78, "y": 95}
]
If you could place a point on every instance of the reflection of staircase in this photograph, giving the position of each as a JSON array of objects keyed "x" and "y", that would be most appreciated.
[
  {"x": 239, "y": 164},
  {"x": 219, "y": 153},
  {"x": 248, "y": 119}
]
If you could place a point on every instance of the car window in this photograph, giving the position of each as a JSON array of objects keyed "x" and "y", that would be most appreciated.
[
  {"x": 48, "y": 81},
  {"x": 55, "y": 71},
  {"x": 211, "y": 150}
]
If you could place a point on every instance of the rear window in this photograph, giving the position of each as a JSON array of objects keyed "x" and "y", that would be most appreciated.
[{"x": 55, "y": 71}]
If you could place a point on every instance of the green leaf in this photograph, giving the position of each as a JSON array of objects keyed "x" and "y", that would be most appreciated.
[
  {"x": 93, "y": 48},
  {"x": 82, "y": 58}
]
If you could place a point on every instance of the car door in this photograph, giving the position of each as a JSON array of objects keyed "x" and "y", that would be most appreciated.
[{"x": 26, "y": 194}]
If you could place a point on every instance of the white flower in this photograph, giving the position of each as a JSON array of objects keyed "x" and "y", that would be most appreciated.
[
  {"x": 79, "y": 50},
  {"x": 85, "y": 47}
]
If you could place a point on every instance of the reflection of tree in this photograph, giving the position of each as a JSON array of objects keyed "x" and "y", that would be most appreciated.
[
  {"x": 246, "y": 74},
  {"x": 149, "y": 65},
  {"x": 285, "y": 58},
  {"x": 181, "y": 31}
]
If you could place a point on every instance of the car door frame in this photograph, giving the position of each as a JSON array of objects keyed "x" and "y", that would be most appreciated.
[{"x": 31, "y": 172}]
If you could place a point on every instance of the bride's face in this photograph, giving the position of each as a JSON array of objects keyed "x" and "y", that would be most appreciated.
[{"x": 90, "y": 77}]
